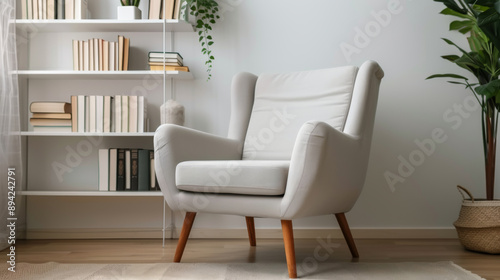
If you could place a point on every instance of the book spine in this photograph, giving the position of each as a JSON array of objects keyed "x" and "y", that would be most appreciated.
[
  {"x": 144, "y": 172},
  {"x": 74, "y": 112},
  {"x": 99, "y": 110},
  {"x": 112, "y": 168},
  {"x": 134, "y": 169},
  {"x": 103, "y": 170},
  {"x": 118, "y": 113},
  {"x": 125, "y": 113},
  {"x": 127, "y": 170},
  {"x": 120, "y": 170},
  {"x": 80, "y": 115}
]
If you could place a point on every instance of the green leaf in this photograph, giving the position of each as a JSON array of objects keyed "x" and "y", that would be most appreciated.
[
  {"x": 489, "y": 22},
  {"x": 461, "y": 25},
  {"x": 209, "y": 37},
  {"x": 210, "y": 43},
  {"x": 454, "y": 76},
  {"x": 489, "y": 90},
  {"x": 451, "y": 58},
  {"x": 453, "y": 5}
]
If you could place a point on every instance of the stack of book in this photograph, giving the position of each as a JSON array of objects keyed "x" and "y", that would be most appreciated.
[
  {"x": 127, "y": 170},
  {"x": 50, "y": 116},
  {"x": 101, "y": 55},
  {"x": 165, "y": 9},
  {"x": 54, "y": 9},
  {"x": 166, "y": 61},
  {"x": 119, "y": 113}
]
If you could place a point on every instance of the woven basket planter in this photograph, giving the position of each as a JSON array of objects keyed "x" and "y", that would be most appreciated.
[{"x": 478, "y": 225}]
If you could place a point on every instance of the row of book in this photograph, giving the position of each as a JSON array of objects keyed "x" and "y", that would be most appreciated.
[
  {"x": 165, "y": 9},
  {"x": 91, "y": 113},
  {"x": 168, "y": 61},
  {"x": 54, "y": 9},
  {"x": 101, "y": 55},
  {"x": 127, "y": 170}
]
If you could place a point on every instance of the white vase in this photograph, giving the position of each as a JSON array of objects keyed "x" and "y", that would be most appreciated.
[{"x": 128, "y": 13}]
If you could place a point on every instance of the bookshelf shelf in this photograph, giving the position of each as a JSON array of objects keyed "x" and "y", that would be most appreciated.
[
  {"x": 100, "y": 75},
  {"x": 88, "y": 193},
  {"x": 102, "y": 25},
  {"x": 85, "y": 134}
]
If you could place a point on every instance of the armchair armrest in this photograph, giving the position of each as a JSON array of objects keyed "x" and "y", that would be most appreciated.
[
  {"x": 174, "y": 144},
  {"x": 327, "y": 172}
]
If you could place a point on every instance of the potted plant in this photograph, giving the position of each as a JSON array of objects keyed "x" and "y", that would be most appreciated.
[
  {"x": 206, "y": 13},
  {"x": 478, "y": 225},
  {"x": 129, "y": 10}
]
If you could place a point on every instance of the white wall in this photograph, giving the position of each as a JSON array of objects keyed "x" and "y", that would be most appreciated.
[{"x": 268, "y": 36}]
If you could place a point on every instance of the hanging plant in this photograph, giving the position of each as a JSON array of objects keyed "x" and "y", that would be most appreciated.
[{"x": 206, "y": 15}]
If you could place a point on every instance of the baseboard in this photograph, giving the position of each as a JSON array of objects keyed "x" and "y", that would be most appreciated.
[{"x": 127, "y": 233}]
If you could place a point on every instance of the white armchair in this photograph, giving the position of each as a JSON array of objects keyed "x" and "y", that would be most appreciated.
[{"x": 298, "y": 145}]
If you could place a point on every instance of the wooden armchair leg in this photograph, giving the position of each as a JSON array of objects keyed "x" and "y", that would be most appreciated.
[
  {"x": 286, "y": 226},
  {"x": 186, "y": 229},
  {"x": 346, "y": 231},
  {"x": 251, "y": 230}
]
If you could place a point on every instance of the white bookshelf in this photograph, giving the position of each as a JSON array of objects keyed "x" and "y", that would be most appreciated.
[
  {"x": 88, "y": 134},
  {"x": 100, "y": 75},
  {"x": 103, "y": 25},
  {"x": 41, "y": 149},
  {"x": 92, "y": 193}
]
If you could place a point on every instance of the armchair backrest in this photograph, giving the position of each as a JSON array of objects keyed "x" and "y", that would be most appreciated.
[{"x": 267, "y": 111}]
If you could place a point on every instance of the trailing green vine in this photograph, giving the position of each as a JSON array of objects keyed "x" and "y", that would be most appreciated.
[{"x": 206, "y": 14}]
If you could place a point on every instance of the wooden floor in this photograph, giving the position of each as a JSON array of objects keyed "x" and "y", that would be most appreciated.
[{"x": 267, "y": 250}]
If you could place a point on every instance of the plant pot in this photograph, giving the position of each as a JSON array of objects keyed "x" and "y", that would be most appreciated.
[
  {"x": 128, "y": 13},
  {"x": 478, "y": 225}
]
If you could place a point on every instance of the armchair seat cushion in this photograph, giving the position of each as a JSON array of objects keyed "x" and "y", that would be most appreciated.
[{"x": 246, "y": 177}]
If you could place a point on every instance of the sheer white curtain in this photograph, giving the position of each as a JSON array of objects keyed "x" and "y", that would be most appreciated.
[{"x": 10, "y": 142}]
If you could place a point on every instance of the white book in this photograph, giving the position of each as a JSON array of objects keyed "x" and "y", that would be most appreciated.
[
  {"x": 91, "y": 55},
  {"x": 96, "y": 54},
  {"x": 69, "y": 12},
  {"x": 92, "y": 113},
  {"x": 106, "y": 117},
  {"x": 125, "y": 113},
  {"x": 29, "y": 9},
  {"x": 80, "y": 55},
  {"x": 87, "y": 113},
  {"x": 133, "y": 112},
  {"x": 112, "y": 56},
  {"x": 103, "y": 170},
  {"x": 35, "y": 9},
  {"x": 51, "y": 9},
  {"x": 99, "y": 119},
  {"x": 86, "y": 56},
  {"x": 116, "y": 56},
  {"x": 81, "y": 113},
  {"x": 81, "y": 9},
  {"x": 40, "y": 9},
  {"x": 60, "y": 9},
  {"x": 127, "y": 170},
  {"x": 141, "y": 114},
  {"x": 24, "y": 9},
  {"x": 118, "y": 113},
  {"x": 112, "y": 169},
  {"x": 44, "y": 9},
  {"x": 76, "y": 55}
]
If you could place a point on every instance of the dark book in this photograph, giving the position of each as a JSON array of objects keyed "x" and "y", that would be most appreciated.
[
  {"x": 120, "y": 170},
  {"x": 144, "y": 170},
  {"x": 134, "y": 169}
]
